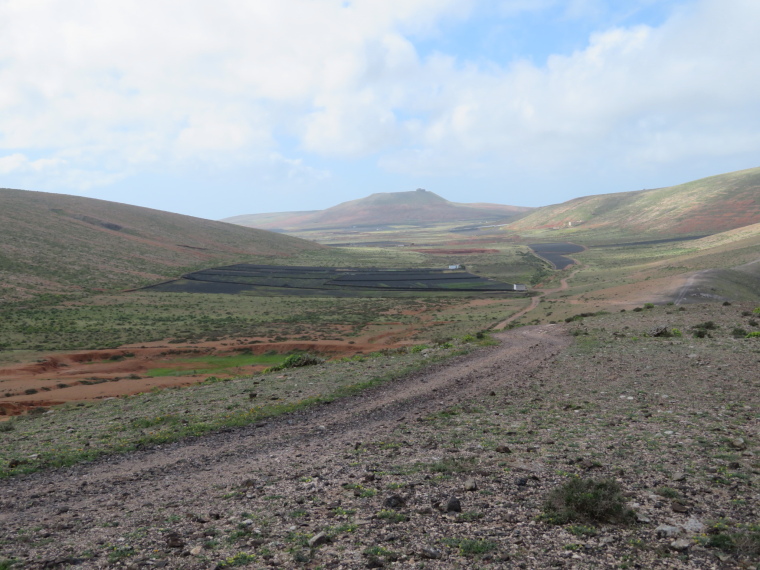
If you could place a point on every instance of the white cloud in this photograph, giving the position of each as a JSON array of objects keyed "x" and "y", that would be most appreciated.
[
  {"x": 617, "y": 101},
  {"x": 101, "y": 90},
  {"x": 20, "y": 163}
]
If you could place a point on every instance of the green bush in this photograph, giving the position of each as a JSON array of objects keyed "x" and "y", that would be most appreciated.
[
  {"x": 755, "y": 334},
  {"x": 743, "y": 540},
  {"x": 587, "y": 501},
  {"x": 296, "y": 361},
  {"x": 471, "y": 547}
]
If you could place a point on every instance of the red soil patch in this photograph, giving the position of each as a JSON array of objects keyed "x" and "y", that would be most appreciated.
[
  {"x": 92, "y": 375},
  {"x": 96, "y": 374}
]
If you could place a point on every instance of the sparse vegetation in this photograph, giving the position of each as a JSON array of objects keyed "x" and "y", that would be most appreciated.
[
  {"x": 297, "y": 361},
  {"x": 589, "y": 501}
]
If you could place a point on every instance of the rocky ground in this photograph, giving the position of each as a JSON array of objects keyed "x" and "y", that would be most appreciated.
[{"x": 447, "y": 468}]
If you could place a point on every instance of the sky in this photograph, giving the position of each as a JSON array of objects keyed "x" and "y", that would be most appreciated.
[{"x": 215, "y": 109}]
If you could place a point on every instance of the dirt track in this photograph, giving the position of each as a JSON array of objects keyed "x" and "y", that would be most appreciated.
[{"x": 90, "y": 497}]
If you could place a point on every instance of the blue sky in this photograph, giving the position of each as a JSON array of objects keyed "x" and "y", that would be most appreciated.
[{"x": 262, "y": 106}]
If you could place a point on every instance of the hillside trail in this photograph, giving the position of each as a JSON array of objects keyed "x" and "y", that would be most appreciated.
[
  {"x": 193, "y": 471},
  {"x": 535, "y": 301},
  {"x": 688, "y": 286}
]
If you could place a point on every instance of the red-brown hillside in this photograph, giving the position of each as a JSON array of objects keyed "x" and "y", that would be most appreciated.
[
  {"x": 418, "y": 207},
  {"x": 706, "y": 206}
]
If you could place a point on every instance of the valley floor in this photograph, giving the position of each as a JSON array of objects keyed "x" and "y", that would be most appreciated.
[{"x": 370, "y": 481}]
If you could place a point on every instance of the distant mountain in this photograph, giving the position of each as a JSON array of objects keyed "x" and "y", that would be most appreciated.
[
  {"x": 59, "y": 244},
  {"x": 417, "y": 207},
  {"x": 706, "y": 206}
]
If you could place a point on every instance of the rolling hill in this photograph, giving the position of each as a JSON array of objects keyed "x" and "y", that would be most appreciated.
[
  {"x": 418, "y": 207},
  {"x": 59, "y": 244},
  {"x": 706, "y": 206}
]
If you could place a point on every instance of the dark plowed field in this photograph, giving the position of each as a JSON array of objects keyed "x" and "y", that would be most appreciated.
[
  {"x": 555, "y": 253},
  {"x": 234, "y": 279}
]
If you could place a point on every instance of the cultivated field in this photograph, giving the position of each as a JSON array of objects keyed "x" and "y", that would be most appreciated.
[{"x": 309, "y": 281}]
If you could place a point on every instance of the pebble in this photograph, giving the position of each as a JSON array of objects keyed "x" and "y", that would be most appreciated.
[
  {"x": 394, "y": 502},
  {"x": 318, "y": 539},
  {"x": 667, "y": 531},
  {"x": 739, "y": 443},
  {"x": 680, "y": 544},
  {"x": 693, "y": 526},
  {"x": 431, "y": 553},
  {"x": 453, "y": 505}
]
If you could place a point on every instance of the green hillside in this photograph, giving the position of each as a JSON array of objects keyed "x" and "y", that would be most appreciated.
[
  {"x": 59, "y": 244},
  {"x": 706, "y": 206}
]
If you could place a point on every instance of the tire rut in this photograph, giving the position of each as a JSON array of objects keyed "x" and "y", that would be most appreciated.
[{"x": 198, "y": 468}]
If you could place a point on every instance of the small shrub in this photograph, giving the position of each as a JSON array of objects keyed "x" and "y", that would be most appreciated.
[
  {"x": 471, "y": 547},
  {"x": 296, "y": 361},
  {"x": 668, "y": 493},
  {"x": 726, "y": 303},
  {"x": 240, "y": 559},
  {"x": 756, "y": 310},
  {"x": 469, "y": 517},
  {"x": 752, "y": 323},
  {"x": 649, "y": 305},
  {"x": 7, "y": 426},
  {"x": 589, "y": 501},
  {"x": 392, "y": 516},
  {"x": 378, "y": 552},
  {"x": 739, "y": 332},
  {"x": 582, "y": 530},
  {"x": 742, "y": 541},
  {"x": 638, "y": 309},
  {"x": 755, "y": 334},
  {"x": 30, "y": 391}
]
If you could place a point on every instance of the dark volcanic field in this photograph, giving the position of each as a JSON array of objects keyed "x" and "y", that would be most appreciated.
[
  {"x": 555, "y": 253},
  {"x": 246, "y": 277}
]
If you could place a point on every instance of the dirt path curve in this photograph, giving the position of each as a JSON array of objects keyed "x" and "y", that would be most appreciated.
[
  {"x": 688, "y": 286},
  {"x": 534, "y": 302},
  {"x": 195, "y": 470}
]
